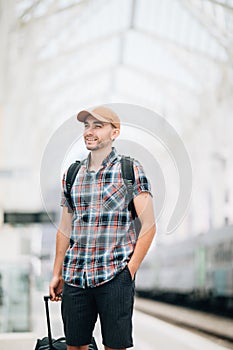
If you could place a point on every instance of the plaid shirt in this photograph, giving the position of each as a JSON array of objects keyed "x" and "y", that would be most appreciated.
[{"x": 103, "y": 236}]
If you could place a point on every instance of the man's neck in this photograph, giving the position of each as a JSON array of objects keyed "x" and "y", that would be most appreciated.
[{"x": 97, "y": 157}]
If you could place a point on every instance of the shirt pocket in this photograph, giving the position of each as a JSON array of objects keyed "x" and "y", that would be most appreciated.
[{"x": 114, "y": 197}]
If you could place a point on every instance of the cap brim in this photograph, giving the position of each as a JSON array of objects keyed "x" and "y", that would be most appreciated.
[{"x": 82, "y": 115}]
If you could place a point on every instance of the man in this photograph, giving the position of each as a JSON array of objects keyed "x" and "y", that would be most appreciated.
[{"x": 98, "y": 250}]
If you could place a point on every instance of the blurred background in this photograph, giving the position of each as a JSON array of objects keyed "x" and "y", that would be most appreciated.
[{"x": 174, "y": 57}]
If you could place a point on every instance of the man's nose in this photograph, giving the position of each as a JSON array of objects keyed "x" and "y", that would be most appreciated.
[{"x": 88, "y": 131}]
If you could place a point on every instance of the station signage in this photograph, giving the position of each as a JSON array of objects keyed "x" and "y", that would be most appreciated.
[{"x": 24, "y": 218}]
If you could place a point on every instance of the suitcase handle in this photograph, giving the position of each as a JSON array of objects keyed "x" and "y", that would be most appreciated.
[{"x": 46, "y": 300}]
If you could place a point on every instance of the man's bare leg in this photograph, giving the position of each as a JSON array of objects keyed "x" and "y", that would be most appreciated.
[
  {"x": 82, "y": 347},
  {"x": 106, "y": 348}
]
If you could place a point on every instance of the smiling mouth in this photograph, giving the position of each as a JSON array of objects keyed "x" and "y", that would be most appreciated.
[{"x": 90, "y": 139}]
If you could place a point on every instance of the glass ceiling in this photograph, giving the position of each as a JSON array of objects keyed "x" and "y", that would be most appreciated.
[
  {"x": 124, "y": 49},
  {"x": 74, "y": 53}
]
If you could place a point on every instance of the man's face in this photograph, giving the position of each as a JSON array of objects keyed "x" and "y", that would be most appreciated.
[{"x": 97, "y": 134}]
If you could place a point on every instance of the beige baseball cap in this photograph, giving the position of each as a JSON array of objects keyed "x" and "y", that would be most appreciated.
[{"x": 104, "y": 114}]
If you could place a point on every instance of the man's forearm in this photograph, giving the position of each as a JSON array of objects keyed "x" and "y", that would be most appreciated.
[
  {"x": 56, "y": 283},
  {"x": 62, "y": 244},
  {"x": 142, "y": 246}
]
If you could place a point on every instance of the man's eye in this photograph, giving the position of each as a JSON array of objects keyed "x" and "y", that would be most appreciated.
[{"x": 98, "y": 126}]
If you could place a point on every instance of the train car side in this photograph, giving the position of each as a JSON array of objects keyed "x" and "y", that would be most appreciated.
[{"x": 199, "y": 268}]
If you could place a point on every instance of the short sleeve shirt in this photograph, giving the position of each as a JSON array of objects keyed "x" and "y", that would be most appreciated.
[{"x": 103, "y": 236}]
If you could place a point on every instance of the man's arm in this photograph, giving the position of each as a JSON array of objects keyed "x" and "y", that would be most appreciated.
[
  {"x": 144, "y": 208},
  {"x": 62, "y": 244}
]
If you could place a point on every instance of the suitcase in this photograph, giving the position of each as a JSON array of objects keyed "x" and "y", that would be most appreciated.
[{"x": 48, "y": 343}]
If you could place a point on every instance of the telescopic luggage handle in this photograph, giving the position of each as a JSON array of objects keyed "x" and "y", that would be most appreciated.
[{"x": 46, "y": 300}]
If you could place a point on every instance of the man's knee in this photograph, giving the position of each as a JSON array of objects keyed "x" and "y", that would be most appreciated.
[
  {"x": 106, "y": 348},
  {"x": 82, "y": 347}
]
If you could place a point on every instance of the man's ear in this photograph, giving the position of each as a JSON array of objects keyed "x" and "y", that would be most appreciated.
[{"x": 115, "y": 134}]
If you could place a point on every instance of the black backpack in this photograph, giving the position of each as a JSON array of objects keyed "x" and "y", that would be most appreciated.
[{"x": 127, "y": 174}]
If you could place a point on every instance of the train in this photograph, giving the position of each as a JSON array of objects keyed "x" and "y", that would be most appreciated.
[{"x": 196, "y": 269}]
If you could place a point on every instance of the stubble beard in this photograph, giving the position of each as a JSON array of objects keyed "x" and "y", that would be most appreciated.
[{"x": 98, "y": 146}]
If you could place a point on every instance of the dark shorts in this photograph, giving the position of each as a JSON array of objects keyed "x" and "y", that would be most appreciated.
[{"x": 112, "y": 301}]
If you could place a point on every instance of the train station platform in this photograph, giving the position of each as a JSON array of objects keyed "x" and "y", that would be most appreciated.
[
  {"x": 19, "y": 341},
  {"x": 181, "y": 316},
  {"x": 151, "y": 333}
]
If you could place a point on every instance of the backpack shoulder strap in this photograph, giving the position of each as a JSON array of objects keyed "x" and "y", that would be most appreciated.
[
  {"x": 128, "y": 173},
  {"x": 129, "y": 179},
  {"x": 70, "y": 177}
]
